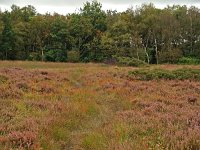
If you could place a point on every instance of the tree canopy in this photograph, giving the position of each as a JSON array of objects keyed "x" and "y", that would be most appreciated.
[{"x": 146, "y": 33}]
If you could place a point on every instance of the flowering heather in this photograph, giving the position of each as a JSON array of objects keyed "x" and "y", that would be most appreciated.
[{"x": 95, "y": 106}]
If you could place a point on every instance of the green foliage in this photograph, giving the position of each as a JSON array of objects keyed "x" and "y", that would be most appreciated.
[
  {"x": 97, "y": 17},
  {"x": 155, "y": 74},
  {"x": 56, "y": 56},
  {"x": 152, "y": 74},
  {"x": 59, "y": 34},
  {"x": 73, "y": 56},
  {"x": 127, "y": 61},
  {"x": 34, "y": 56},
  {"x": 170, "y": 56},
  {"x": 189, "y": 61},
  {"x": 8, "y": 37},
  {"x": 147, "y": 33},
  {"x": 96, "y": 21}
]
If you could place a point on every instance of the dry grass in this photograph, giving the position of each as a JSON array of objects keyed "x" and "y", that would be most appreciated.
[{"x": 94, "y": 106}]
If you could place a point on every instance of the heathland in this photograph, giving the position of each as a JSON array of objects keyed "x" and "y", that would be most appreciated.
[{"x": 97, "y": 106}]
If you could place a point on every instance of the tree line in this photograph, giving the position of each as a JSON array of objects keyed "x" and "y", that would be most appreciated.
[{"x": 146, "y": 33}]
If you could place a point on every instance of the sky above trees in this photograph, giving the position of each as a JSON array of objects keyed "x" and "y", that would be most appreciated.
[{"x": 70, "y": 6}]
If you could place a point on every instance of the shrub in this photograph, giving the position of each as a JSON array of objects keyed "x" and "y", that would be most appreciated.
[
  {"x": 127, "y": 61},
  {"x": 180, "y": 74},
  {"x": 73, "y": 56},
  {"x": 189, "y": 61},
  {"x": 56, "y": 56},
  {"x": 111, "y": 61},
  {"x": 3, "y": 79},
  {"x": 25, "y": 139},
  {"x": 170, "y": 56},
  {"x": 184, "y": 74},
  {"x": 152, "y": 74},
  {"x": 34, "y": 57},
  {"x": 23, "y": 86}
]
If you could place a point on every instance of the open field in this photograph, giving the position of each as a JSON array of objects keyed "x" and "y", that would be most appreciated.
[{"x": 95, "y": 107}]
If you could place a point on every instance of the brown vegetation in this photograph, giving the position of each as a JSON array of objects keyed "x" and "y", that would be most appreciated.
[{"x": 89, "y": 106}]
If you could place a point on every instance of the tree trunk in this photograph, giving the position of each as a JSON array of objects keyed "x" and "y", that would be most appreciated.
[
  {"x": 6, "y": 54},
  {"x": 191, "y": 34},
  {"x": 145, "y": 50},
  {"x": 42, "y": 55},
  {"x": 148, "y": 59},
  {"x": 79, "y": 43},
  {"x": 156, "y": 49},
  {"x": 138, "y": 57}
]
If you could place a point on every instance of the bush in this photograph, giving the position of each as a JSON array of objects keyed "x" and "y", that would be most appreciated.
[
  {"x": 21, "y": 55},
  {"x": 189, "y": 61},
  {"x": 34, "y": 56},
  {"x": 3, "y": 79},
  {"x": 55, "y": 56},
  {"x": 73, "y": 56},
  {"x": 170, "y": 56},
  {"x": 183, "y": 74},
  {"x": 180, "y": 74},
  {"x": 111, "y": 61},
  {"x": 152, "y": 74},
  {"x": 127, "y": 61}
]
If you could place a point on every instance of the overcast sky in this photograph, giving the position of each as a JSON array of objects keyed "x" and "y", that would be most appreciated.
[{"x": 69, "y": 6}]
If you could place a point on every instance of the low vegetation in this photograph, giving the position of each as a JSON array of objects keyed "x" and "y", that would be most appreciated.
[
  {"x": 127, "y": 61},
  {"x": 3, "y": 78},
  {"x": 189, "y": 60},
  {"x": 95, "y": 106},
  {"x": 155, "y": 74}
]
